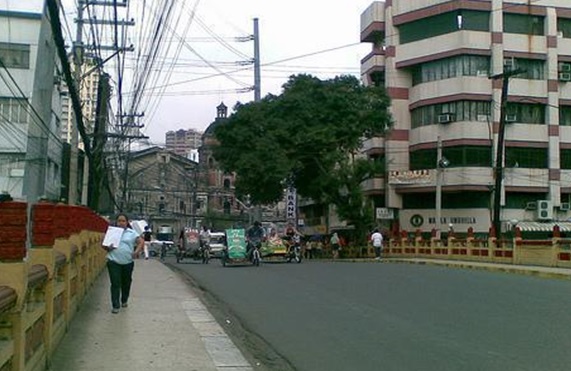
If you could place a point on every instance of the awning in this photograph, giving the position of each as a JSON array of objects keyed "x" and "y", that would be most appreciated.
[{"x": 543, "y": 227}]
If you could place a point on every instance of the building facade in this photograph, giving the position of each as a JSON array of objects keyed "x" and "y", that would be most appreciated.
[
  {"x": 444, "y": 63},
  {"x": 184, "y": 142},
  {"x": 30, "y": 104}
]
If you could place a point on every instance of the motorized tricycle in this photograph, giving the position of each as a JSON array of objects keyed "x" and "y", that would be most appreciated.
[
  {"x": 191, "y": 248},
  {"x": 237, "y": 250}
]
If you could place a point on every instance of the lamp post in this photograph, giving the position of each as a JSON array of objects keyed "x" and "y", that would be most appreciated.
[{"x": 441, "y": 163}]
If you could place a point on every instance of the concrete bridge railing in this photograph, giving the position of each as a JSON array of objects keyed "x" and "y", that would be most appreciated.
[{"x": 42, "y": 287}]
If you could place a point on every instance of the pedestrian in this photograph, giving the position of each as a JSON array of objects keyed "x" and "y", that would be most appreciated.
[
  {"x": 377, "y": 240},
  {"x": 147, "y": 234},
  {"x": 334, "y": 242},
  {"x": 120, "y": 263}
]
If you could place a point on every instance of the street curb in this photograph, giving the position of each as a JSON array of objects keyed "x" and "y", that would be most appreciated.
[
  {"x": 528, "y": 271},
  {"x": 541, "y": 272}
]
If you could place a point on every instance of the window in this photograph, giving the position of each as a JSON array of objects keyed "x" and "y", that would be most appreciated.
[
  {"x": 14, "y": 110},
  {"x": 460, "y": 200},
  {"x": 525, "y": 157},
  {"x": 423, "y": 159},
  {"x": 444, "y": 23},
  {"x": 564, "y": 27},
  {"x": 15, "y": 55},
  {"x": 524, "y": 24},
  {"x": 565, "y": 115},
  {"x": 518, "y": 200},
  {"x": 527, "y": 113},
  {"x": 533, "y": 69},
  {"x": 565, "y": 158},
  {"x": 461, "y": 111},
  {"x": 379, "y": 160},
  {"x": 462, "y": 65},
  {"x": 466, "y": 156}
]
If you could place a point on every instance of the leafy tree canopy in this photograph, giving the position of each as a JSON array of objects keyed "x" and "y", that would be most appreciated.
[{"x": 306, "y": 137}]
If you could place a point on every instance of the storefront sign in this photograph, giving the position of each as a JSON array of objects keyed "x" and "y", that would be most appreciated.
[
  {"x": 291, "y": 204},
  {"x": 410, "y": 177}
]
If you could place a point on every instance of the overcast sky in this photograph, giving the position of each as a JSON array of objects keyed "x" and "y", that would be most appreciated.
[
  {"x": 294, "y": 38},
  {"x": 287, "y": 29}
]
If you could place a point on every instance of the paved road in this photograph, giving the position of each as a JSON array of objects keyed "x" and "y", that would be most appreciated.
[{"x": 370, "y": 316}]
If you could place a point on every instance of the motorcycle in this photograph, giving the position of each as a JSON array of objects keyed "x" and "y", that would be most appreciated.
[
  {"x": 201, "y": 253},
  {"x": 294, "y": 253},
  {"x": 254, "y": 248}
]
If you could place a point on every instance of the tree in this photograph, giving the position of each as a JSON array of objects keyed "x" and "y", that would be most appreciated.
[{"x": 308, "y": 137}]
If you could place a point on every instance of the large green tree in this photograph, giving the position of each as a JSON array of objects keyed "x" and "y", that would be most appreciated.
[{"x": 308, "y": 137}]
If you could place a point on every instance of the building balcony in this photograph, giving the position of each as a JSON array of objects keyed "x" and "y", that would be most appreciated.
[
  {"x": 375, "y": 144},
  {"x": 524, "y": 44},
  {"x": 460, "y": 42},
  {"x": 373, "y": 23},
  {"x": 460, "y": 87},
  {"x": 402, "y": 7},
  {"x": 373, "y": 63},
  {"x": 523, "y": 179},
  {"x": 374, "y": 185}
]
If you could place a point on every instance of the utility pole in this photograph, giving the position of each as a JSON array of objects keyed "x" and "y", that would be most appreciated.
[
  {"x": 125, "y": 135},
  {"x": 78, "y": 49},
  {"x": 438, "y": 222},
  {"x": 498, "y": 170},
  {"x": 257, "y": 90}
]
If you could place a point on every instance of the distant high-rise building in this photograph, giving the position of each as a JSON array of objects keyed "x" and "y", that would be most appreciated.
[
  {"x": 182, "y": 142},
  {"x": 88, "y": 97}
]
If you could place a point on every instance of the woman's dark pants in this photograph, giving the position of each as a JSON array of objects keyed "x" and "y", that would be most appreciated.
[{"x": 120, "y": 276}]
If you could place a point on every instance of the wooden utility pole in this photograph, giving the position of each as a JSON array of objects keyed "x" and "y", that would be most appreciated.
[{"x": 498, "y": 169}]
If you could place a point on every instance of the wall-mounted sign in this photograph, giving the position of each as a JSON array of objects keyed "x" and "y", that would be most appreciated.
[
  {"x": 384, "y": 213},
  {"x": 410, "y": 177},
  {"x": 291, "y": 204}
]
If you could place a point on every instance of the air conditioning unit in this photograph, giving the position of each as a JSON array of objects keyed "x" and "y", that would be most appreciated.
[
  {"x": 531, "y": 205},
  {"x": 565, "y": 76},
  {"x": 445, "y": 118},
  {"x": 511, "y": 118},
  {"x": 564, "y": 67},
  {"x": 544, "y": 210},
  {"x": 565, "y": 206},
  {"x": 483, "y": 118}
]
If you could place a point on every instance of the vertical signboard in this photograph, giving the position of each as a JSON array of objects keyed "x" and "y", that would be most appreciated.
[{"x": 291, "y": 205}]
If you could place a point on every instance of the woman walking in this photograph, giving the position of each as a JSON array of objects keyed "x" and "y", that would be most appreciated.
[{"x": 120, "y": 263}]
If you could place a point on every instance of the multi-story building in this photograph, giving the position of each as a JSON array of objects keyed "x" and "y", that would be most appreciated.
[
  {"x": 88, "y": 86},
  {"x": 30, "y": 104},
  {"x": 184, "y": 142},
  {"x": 444, "y": 63}
]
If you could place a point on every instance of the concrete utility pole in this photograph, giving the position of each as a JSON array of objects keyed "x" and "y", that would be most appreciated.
[
  {"x": 257, "y": 90},
  {"x": 438, "y": 221},
  {"x": 257, "y": 77},
  {"x": 498, "y": 170},
  {"x": 78, "y": 50}
]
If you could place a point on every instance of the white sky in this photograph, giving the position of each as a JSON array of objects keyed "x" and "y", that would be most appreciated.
[{"x": 288, "y": 30}]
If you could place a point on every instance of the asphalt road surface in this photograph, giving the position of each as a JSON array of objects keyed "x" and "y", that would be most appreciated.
[{"x": 343, "y": 316}]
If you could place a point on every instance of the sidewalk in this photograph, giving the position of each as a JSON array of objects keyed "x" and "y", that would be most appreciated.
[
  {"x": 165, "y": 327},
  {"x": 529, "y": 270}
]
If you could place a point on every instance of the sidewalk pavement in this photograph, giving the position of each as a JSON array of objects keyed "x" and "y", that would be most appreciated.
[
  {"x": 165, "y": 327},
  {"x": 529, "y": 270}
]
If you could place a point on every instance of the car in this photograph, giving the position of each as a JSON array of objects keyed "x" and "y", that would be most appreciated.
[{"x": 217, "y": 244}]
